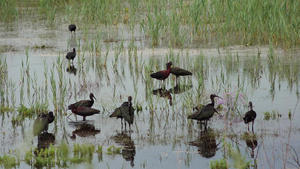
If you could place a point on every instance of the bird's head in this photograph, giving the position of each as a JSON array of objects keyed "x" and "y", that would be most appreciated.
[
  {"x": 50, "y": 114},
  {"x": 169, "y": 64},
  {"x": 92, "y": 96}
]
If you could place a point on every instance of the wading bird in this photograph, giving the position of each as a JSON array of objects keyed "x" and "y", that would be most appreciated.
[
  {"x": 83, "y": 103},
  {"x": 72, "y": 28},
  {"x": 84, "y": 111},
  {"x": 250, "y": 116},
  {"x": 125, "y": 111},
  {"x": 180, "y": 72},
  {"x": 163, "y": 74},
  {"x": 41, "y": 122},
  {"x": 71, "y": 55},
  {"x": 206, "y": 112},
  {"x": 128, "y": 112}
]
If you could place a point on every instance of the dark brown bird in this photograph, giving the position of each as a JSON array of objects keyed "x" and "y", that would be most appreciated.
[
  {"x": 250, "y": 116},
  {"x": 163, "y": 74},
  {"x": 72, "y": 27},
  {"x": 41, "y": 122},
  {"x": 128, "y": 112},
  {"x": 180, "y": 72},
  {"x": 84, "y": 111},
  {"x": 83, "y": 103},
  {"x": 206, "y": 112},
  {"x": 71, "y": 55}
]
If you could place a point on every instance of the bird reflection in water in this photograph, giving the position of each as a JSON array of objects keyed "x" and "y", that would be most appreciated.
[
  {"x": 163, "y": 93},
  {"x": 44, "y": 141},
  {"x": 206, "y": 143},
  {"x": 84, "y": 130},
  {"x": 128, "y": 151},
  {"x": 180, "y": 89},
  {"x": 71, "y": 69},
  {"x": 251, "y": 142}
]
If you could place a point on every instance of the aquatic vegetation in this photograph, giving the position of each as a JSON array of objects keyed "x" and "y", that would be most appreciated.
[
  {"x": 113, "y": 150},
  {"x": 9, "y": 161},
  {"x": 274, "y": 115}
]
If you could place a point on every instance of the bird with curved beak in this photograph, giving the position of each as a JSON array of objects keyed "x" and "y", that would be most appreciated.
[{"x": 206, "y": 112}]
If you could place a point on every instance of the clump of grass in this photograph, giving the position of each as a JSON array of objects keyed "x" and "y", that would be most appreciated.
[
  {"x": 113, "y": 150},
  {"x": 274, "y": 115},
  {"x": 9, "y": 161}
]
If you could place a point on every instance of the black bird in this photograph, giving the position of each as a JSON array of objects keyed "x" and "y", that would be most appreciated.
[
  {"x": 83, "y": 103},
  {"x": 71, "y": 55},
  {"x": 180, "y": 72},
  {"x": 84, "y": 111},
  {"x": 41, "y": 122},
  {"x": 206, "y": 112},
  {"x": 163, "y": 74},
  {"x": 72, "y": 28},
  {"x": 128, "y": 112},
  {"x": 250, "y": 116}
]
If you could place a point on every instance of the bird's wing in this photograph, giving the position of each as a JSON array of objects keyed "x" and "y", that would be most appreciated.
[
  {"x": 117, "y": 113},
  {"x": 157, "y": 75},
  {"x": 39, "y": 125}
]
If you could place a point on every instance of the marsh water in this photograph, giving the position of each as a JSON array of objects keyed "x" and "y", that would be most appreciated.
[{"x": 118, "y": 64}]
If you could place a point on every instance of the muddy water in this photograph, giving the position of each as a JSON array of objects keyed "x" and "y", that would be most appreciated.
[{"x": 161, "y": 136}]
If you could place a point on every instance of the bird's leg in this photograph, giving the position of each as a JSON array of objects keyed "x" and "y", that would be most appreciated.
[
  {"x": 83, "y": 118},
  {"x": 252, "y": 126},
  {"x": 248, "y": 126}
]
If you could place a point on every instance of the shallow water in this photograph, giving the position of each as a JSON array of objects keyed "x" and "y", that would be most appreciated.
[{"x": 161, "y": 136}]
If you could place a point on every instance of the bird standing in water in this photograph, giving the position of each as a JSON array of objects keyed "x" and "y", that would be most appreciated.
[
  {"x": 72, "y": 28},
  {"x": 206, "y": 112},
  {"x": 250, "y": 116},
  {"x": 163, "y": 74},
  {"x": 83, "y": 103},
  {"x": 180, "y": 72},
  {"x": 84, "y": 111},
  {"x": 41, "y": 122},
  {"x": 128, "y": 112},
  {"x": 71, "y": 55}
]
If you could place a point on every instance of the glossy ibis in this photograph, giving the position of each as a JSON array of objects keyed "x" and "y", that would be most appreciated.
[
  {"x": 180, "y": 72},
  {"x": 41, "y": 122},
  {"x": 128, "y": 112},
  {"x": 84, "y": 111},
  {"x": 71, "y": 55},
  {"x": 206, "y": 112},
  {"x": 250, "y": 116},
  {"x": 83, "y": 103},
  {"x": 163, "y": 74},
  {"x": 72, "y": 28}
]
